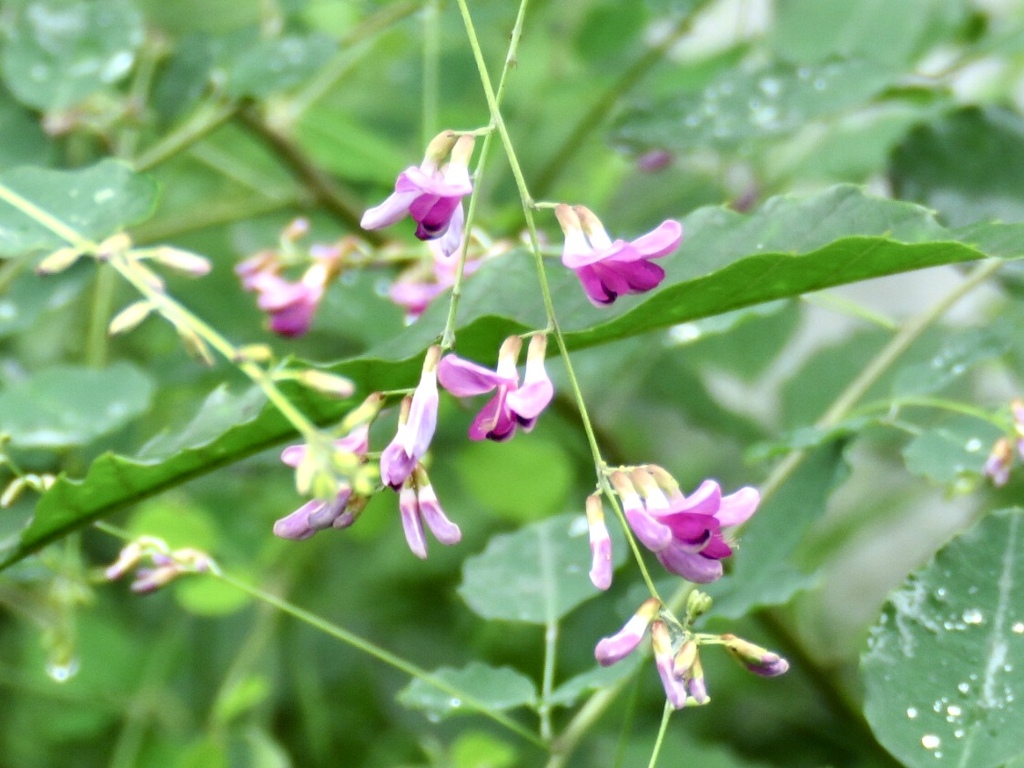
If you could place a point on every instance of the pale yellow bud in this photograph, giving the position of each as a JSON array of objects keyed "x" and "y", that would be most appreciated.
[{"x": 130, "y": 317}]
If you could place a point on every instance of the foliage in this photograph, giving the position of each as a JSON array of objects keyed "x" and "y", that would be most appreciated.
[{"x": 839, "y": 328}]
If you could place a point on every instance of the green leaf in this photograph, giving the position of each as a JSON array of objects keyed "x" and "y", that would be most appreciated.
[
  {"x": 766, "y": 569},
  {"x": 491, "y": 473},
  {"x": 478, "y": 749},
  {"x": 275, "y": 65},
  {"x": 596, "y": 679},
  {"x": 944, "y": 665},
  {"x": 30, "y": 296},
  {"x": 727, "y": 261},
  {"x": 536, "y": 574},
  {"x": 61, "y": 52},
  {"x": 738, "y": 107},
  {"x": 930, "y": 167},
  {"x": 66, "y": 405},
  {"x": 950, "y": 452},
  {"x": 960, "y": 352},
  {"x": 878, "y": 30},
  {"x": 95, "y": 202},
  {"x": 24, "y": 140},
  {"x": 496, "y": 688}
]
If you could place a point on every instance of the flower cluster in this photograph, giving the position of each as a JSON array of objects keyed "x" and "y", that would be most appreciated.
[
  {"x": 166, "y": 565},
  {"x": 684, "y": 532},
  {"x": 339, "y": 501},
  {"x": 1000, "y": 460},
  {"x": 290, "y": 305},
  {"x": 676, "y": 648}
]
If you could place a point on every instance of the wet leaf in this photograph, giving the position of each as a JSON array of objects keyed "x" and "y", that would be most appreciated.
[
  {"x": 944, "y": 665},
  {"x": 497, "y": 688}
]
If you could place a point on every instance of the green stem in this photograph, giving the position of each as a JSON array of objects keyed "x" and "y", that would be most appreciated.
[
  {"x": 665, "y": 715},
  {"x": 100, "y": 312},
  {"x": 448, "y": 335},
  {"x": 200, "y": 123},
  {"x": 376, "y": 652},
  {"x": 929, "y": 402}
]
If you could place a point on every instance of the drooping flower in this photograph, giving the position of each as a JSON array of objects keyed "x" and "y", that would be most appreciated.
[
  {"x": 418, "y": 504},
  {"x": 290, "y": 305},
  {"x": 661, "y": 642},
  {"x": 512, "y": 405},
  {"x": 431, "y": 193},
  {"x": 318, "y": 514},
  {"x": 758, "y": 660},
  {"x": 616, "y": 647},
  {"x": 416, "y": 426},
  {"x": 600, "y": 544},
  {"x": 606, "y": 268},
  {"x": 684, "y": 532},
  {"x": 998, "y": 463},
  {"x": 164, "y": 566}
]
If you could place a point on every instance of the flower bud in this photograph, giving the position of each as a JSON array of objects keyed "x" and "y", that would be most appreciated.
[
  {"x": 661, "y": 642},
  {"x": 758, "y": 660},
  {"x": 365, "y": 413},
  {"x": 697, "y": 604},
  {"x": 997, "y": 466},
  {"x": 59, "y": 260},
  {"x": 183, "y": 261},
  {"x": 130, "y": 317},
  {"x": 328, "y": 383}
]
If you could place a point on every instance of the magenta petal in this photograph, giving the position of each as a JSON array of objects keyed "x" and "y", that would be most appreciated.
[
  {"x": 395, "y": 464},
  {"x": 465, "y": 379},
  {"x": 528, "y": 401},
  {"x": 601, "y": 562},
  {"x": 692, "y": 567},
  {"x": 451, "y": 241},
  {"x": 651, "y": 533},
  {"x": 412, "y": 524},
  {"x": 706, "y": 500},
  {"x": 640, "y": 276},
  {"x": 737, "y": 507},
  {"x": 390, "y": 211},
  {"x": 295, "y": 526},
  {"x": 661, "y": 241},
  {"x": 594, "y": 287},
  {"x": 494, "y": 422},
  {"x": 444, "y": 530}
]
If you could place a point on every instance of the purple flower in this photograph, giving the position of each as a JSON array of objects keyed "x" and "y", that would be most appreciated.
[
  {"x": 512, "y": 405},
  {"x": 615, "y": 648},
  {"x": 317, "y": 515},
  {"x": 998, "y": 463},
  {"x": 431, "y": 193},
  {"x": 290, "y": 305},
  {"x": 417, "y": 504},
  {"x": 416, "y": 426},
  {"x": 607, "y": 269},
  {"x": 684, "y": 532}
]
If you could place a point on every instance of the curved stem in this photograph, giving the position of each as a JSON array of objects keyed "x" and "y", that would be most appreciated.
[{"x": 375, "y": 651}]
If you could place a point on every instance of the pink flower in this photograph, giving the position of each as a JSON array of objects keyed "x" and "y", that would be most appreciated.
[
  {"x": 607, "y": 269},
  {"x": 417, "y": 504},
  {"x": 661, "y": 642},
  {"x": 317, "y": 515},
  {"x": 416, "y": 426},
  {"x": 290, "y": 305},
  {"x": 431, "y": 193},
  {"x": 512, "y": 404},
  {"x": 685, "y": 533},
  {"x": 756, "y": 659},
  {"x": 616, "y": 647}
]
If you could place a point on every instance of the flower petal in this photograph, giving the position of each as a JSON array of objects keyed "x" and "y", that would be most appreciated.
[
  {"x": 692, "y": 567},
  {"x": 392, "y": 210},
  {"x": 412, "y": 523},
  {"x": 661, "y": 241},
  {"x": 465, "y": 379},
  {"x": 737, "y": 507}
]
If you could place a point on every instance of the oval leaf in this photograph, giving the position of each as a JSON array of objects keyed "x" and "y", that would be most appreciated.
[
  {"x": 496, "y": 688},
  {"x": 944, "y": 666},
  {"x": 535, "y": 575}
]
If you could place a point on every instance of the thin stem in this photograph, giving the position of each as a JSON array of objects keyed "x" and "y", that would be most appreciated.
[
  {"x": 545, "y": 289},
  {"x": 665, "y": 715},
  {"x": 375, "y": 651},
  {"x": 149, "y": 56},
  {"x": 886, "y": 406},
  {"x": 200, "y": 123},
  {"x": 341, "y": 202},
  {"x": 548, "y": 679},
  {"x": 448, "y": 335},
  {"x": 99, "y": 316}
]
